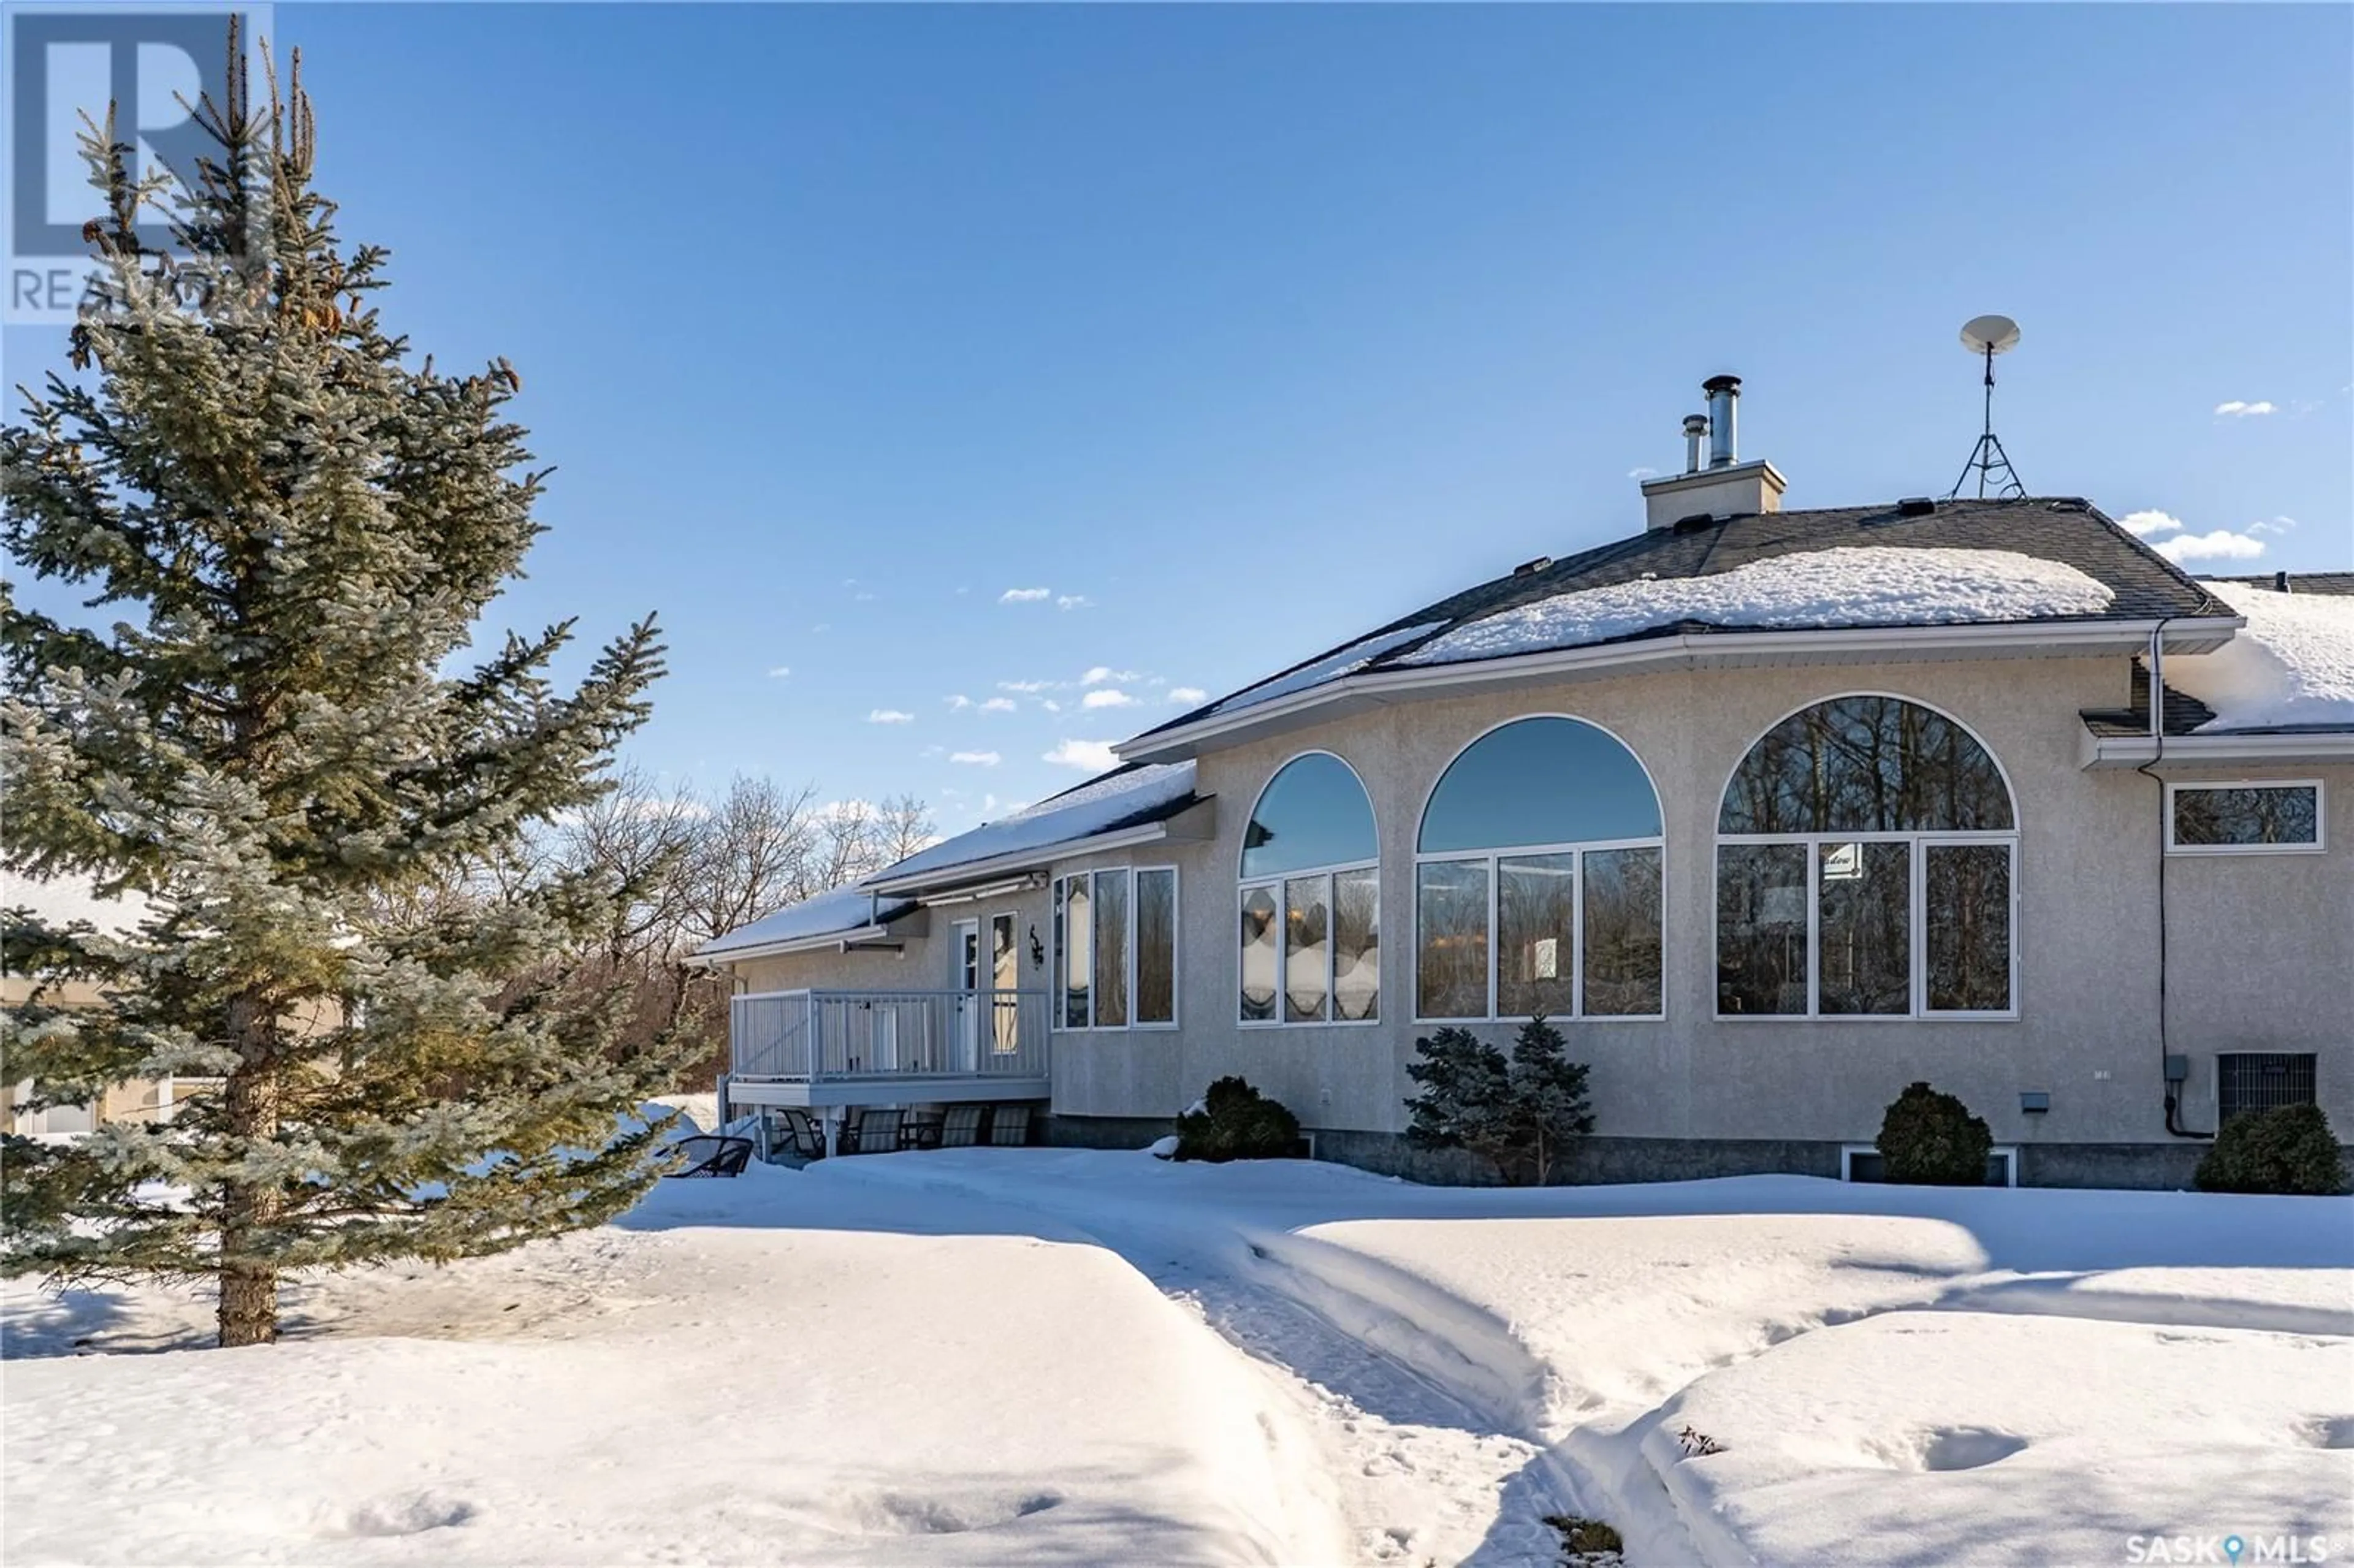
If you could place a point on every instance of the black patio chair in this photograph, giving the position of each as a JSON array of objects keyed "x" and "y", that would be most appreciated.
[
  {"x": 708, "y": 1154},
  {"x": 875, "y": 1132},
  {"x": 807, "y": 1137},
  {"x": 1009, "y": 1126},
  {"x": 922, "y": 1130},
  {"x": 961, "y": 1127}
]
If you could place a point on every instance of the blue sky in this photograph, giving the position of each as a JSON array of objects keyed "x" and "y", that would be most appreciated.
[{"x": 1241, "y": 331}]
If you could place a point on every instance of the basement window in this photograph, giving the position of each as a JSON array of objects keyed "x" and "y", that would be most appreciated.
[
  {"x": 2243, "y": 818},
  {"x": 2262, "y": 1080}
]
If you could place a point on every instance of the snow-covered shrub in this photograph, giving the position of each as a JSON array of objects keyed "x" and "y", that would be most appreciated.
[
  {"x": 1931, "y": 1139},
  {"x": 2289, "y": 1149},
  {"x": 1234, "y": 1121},
  {"x": 1520, "y": 1113},
  {"x": 1584, "y": 1539}
]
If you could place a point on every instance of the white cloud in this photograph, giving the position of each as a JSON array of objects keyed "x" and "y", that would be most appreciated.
[
  {"x": 1106, "y": 697},
  {"x": 1024, "y": 596},
  {"x": 1096, "y": 676},
  {"x": 1187, "y": 696},
  {"x": 2142, "y": 525},
  {"x": 2272, "y": 525},
  {"x": 779, "y": 672},
  {"x": 1074, "y": 601},
  {"x": 998, "y": 705},
  {"x": 1643, "y": 473},
  {"x": 2236, "y": 409},
  {"x": 889, "y": 715},
  {"x": 1095, "y": 755},
  {"x": 1050, "y": 704},
  {"x": 2222, "y": 544},
  {"x": 958, "y": 701},
  {"x": 1025, "y": 687},
  {"x": 863, "y": 597},
  {"x": 976, "y": 758}
]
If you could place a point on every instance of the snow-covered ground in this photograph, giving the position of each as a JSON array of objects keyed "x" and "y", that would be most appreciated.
[{"x": 997, "y": 1355}]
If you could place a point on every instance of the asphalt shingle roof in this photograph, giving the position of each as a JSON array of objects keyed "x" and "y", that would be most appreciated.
[{"x": 2065, "y": 529}]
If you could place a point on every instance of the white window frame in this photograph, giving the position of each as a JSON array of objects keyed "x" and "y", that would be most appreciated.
[
  {"x": 1490, "y": 858},
  {"x": 1331, "y": 1019},
  {"x": 1246, "y": 886},
  {"x": 1917, "y": 892},
  {"x": 2319, "y": 845},
  {"x": 1057, "y": 917},
  {"x": 2006, "y": 1152},
  {"x": 1917, "y": 920},
  {"x": 1577, "y": 984}
]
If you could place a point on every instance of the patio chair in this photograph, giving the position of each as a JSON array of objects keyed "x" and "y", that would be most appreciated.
[
  {"x": 807, "y": 1137},
  {"x": 710, "y": 1155},
  {"x": 1009, "y": 1128},
  {"x": 921, "y": 1129},
  {"x": 875, "y": 1132},
  {"x": 961, "y": 1127}
]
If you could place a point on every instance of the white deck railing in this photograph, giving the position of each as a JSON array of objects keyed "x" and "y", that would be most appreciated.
[{"x": 814, "y": 1034}]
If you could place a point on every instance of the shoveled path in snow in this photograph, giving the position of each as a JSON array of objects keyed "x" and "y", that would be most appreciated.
[
  {"x": 1422, "y": 1468},
  {"x": 1828, "y": 1331}
]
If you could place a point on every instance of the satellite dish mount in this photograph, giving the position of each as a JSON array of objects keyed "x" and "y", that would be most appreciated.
[{"x": 1988, "y": 336}]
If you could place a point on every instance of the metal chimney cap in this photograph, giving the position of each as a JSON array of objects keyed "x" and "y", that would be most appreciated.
[
  {"x": 1716, "y": 383},
  {"x": 1695, "y": 424}
]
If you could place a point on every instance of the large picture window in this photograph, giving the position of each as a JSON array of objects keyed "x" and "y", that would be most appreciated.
[
  {"x": 1537, "y": 879},
  {"x": 1309, "y": 927},
  {"x": 1116, "y": 948},
  {"x": 1866, "y": 858}
]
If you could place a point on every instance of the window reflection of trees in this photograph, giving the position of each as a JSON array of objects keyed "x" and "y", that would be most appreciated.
[{"x": 1867, "y": 853}]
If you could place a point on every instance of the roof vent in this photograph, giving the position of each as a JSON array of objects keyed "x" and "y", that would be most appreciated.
[
  {"x": 1916, "y": 506},
  {"x": 1530, "y": 568},
  {"x": 1719, "y": 485}
]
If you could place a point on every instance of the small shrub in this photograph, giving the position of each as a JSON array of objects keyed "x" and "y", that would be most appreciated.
[
  {"x": 2289, "y": 1149},
  {"x": 1582, "y": 1536},
  {"x": 1931, "y": 1139},
  {"x": 1520, "y": 1112},
  {"x": 1234, "y": 1121},
  {"x": 1698, "y": 1445}
]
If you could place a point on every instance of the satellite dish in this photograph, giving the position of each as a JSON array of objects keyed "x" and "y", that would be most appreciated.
[{"x": 1989, "y": 335}]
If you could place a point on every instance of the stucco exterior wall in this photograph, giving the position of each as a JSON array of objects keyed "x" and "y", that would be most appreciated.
[{"x": 2263, "y": 947}]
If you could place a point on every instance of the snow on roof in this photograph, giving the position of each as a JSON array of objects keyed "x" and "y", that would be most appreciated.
[
  {"x": 1119, "y": 799},
  {"x": 1331, "y": 667},
  {"x": 1845, "y": 586},
  {"x": 828, "y": 914},
  {"x": 2291, "y": 664}
]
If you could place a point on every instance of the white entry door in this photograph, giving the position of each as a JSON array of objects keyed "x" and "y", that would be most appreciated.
[{"x": 968, "y": 1001}]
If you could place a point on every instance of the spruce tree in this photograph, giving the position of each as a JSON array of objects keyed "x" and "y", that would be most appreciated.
[{"x": 283, "y": 742}]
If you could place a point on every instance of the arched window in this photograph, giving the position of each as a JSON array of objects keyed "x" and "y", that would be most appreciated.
[
  {"x": 1866, "y": 853},
  {"x": 1310, "y": 902},
  {"x": 1537, "y": 884}
]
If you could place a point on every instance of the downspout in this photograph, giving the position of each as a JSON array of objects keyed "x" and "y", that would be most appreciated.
[{"x": 2158, "y": 754}]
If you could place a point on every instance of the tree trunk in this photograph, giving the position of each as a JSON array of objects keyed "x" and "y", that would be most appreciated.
[{"x": 249, "y": 1281}]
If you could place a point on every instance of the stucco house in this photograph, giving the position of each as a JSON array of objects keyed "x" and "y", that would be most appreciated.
[{"x": 1775, "y": 811}]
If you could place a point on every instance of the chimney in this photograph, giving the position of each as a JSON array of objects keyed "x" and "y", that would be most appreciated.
[
  {"x": 1721, "y": 485},
  {"x": 1723, "y": 418}
]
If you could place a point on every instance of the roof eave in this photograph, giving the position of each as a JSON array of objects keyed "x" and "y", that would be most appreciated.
[
  {"x": 829, "y": 941},
  {"x": 2097, "y": 751},
  {"x": 1041, "y": 858},
  {"x": 1684, "y": 649}
]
